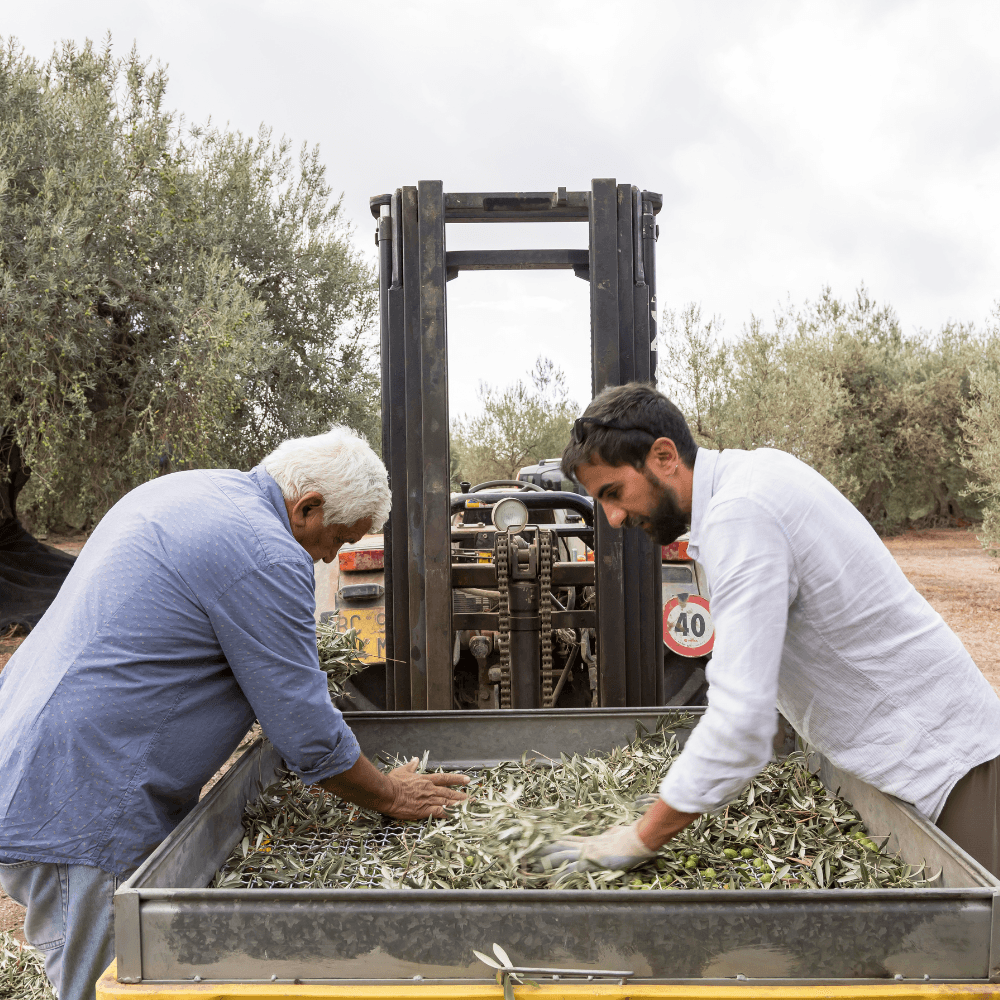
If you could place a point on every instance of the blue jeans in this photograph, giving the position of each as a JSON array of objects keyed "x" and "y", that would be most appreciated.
[{"x": 70, "y": 920}]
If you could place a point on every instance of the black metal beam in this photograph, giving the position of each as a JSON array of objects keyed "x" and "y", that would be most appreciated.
[
  {"x": 437, "y": 471},
  {"x": 643, "y": 563},
  {"x": 606, "y": 371},
  {"x": 383, "y": 233},
  {"x": 517, "y": 260},
  {"x": 414, "y": 451},
  {"x": 650, "y": 204},
  {"x": 517, "y": 206},
  {"x": 631, "y": 578},
  {"x": 398, "y": 583}
]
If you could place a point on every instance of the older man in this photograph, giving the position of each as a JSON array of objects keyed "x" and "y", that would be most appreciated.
[
  {"x": 812, "y": 615},
  {"x": 188, "y": 614}
]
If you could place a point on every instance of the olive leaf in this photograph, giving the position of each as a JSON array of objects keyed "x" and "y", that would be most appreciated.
[
  {"x": 485, "y": 958},
  {"x": 502, "y": 955}
]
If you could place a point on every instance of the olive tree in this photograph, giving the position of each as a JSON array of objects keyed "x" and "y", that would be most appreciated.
[
  {"x": 171, "y": 297},
  {"x": 517, "y": 426},
  {"x": 981, "y": 434},
  {"x": 838, "y": 385}
]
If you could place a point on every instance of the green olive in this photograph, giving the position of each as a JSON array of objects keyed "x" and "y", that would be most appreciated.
[
  {"x": 746, "y": 853},
  {"x": 709, "y": 873},
  {"x": 691, "y": 862},
  {"x": 470, "y": 859},
  {"x": 730, "y": 853},
  {"x": 766, "y": 878}
]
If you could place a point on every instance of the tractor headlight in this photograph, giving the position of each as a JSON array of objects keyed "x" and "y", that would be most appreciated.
[{"x": 510, "y": 515}]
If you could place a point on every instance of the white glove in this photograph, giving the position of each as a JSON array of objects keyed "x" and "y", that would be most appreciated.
[{"x": 617, "y": 849}]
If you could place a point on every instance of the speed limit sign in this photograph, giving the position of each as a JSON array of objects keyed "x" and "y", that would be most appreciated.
[{"x": 687, "y": 625}]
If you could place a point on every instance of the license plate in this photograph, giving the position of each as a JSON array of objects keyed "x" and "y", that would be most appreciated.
[{"x": 370, "y": 624}]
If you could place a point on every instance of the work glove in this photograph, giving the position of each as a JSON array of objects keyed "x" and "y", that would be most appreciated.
[{"x": 617, "y": 849}]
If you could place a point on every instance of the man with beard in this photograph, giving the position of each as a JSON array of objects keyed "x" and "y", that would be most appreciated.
[{"x": 812, "y": 616}]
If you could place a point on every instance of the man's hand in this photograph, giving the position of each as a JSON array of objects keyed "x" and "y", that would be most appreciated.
[
  {"x": 416, "y": 796},
  {"x": 402, "y": 793},
  {"x": 618, "y": 848}
]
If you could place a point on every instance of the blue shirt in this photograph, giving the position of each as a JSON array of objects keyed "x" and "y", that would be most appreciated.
[{"x": 188, "y": 613}]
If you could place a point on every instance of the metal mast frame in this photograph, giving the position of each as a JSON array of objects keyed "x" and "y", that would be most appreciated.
[{"x": 414, "y": 268}]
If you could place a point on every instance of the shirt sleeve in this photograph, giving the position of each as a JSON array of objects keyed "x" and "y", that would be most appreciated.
[
  {"x": 264, "y": 623},
  {"x": 749, "y": 564}
]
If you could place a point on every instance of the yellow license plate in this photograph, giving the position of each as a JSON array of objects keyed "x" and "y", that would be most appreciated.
[{"x": 370, "y": 624}]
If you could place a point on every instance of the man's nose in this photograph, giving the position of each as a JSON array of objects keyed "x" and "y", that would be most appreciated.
[{"x": 616, "y": 515}]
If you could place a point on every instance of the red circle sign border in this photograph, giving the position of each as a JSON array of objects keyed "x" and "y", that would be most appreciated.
[{"x": 672, "y": 643}]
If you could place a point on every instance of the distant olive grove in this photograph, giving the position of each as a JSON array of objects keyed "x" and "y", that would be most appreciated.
[
  {"x": 170, "y": 296},
  {"x": 906, "y": 426}
]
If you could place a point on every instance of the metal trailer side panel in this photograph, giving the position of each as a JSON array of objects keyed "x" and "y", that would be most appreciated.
[
  {"x": 109, "y": 989},
  {"x": 251, "y": 935}
]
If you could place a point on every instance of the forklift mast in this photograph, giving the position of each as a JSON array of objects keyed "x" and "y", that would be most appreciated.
[{"x": 414, "y": 268}]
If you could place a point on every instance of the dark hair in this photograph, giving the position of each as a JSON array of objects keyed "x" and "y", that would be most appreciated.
[{"x": 620, "y": 426}]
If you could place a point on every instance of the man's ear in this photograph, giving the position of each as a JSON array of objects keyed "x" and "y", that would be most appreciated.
[
  {"x": 663, "y": 457},
  {"x": 306, "y": 506}
]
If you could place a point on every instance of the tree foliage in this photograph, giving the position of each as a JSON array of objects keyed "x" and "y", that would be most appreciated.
[
  {"x": 517, "y": 426},
  {"x": 981, "y": 434},
  {"x": 839, "y": 385},
  {"x": 170, "y": 296}
]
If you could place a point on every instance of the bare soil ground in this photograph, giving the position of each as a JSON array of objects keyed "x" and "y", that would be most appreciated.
[
  {"x": 947, "y": 565},
  {"x": 962, "y": 583}
]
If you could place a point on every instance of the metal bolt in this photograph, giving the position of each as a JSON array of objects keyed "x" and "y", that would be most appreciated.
[
  {"x": 418, "y": 979},
  {"x": 899, "y": 975},
  {"x": 739, "y": 975},
  {"x": 197, "y": 979},
  {"x": 274, "y": 978}
]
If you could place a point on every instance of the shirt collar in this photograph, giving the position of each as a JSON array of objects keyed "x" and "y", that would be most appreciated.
[
  {"x": 702, "y": 488},
  {"x": 272, "y": 493}
]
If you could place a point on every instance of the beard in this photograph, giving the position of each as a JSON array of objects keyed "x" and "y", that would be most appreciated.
[{"x": 666, "y": 522}]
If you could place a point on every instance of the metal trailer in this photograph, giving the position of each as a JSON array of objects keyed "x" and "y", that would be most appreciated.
[
  {"x": 178, "y": 939},
  {"x": 415, "y": 266}
]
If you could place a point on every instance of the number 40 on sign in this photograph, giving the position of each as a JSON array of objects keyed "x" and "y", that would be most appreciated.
[{"x": 687, "y": 625}]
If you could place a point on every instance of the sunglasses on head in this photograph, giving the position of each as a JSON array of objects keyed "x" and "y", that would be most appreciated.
[{"x": 582, "y": 424}]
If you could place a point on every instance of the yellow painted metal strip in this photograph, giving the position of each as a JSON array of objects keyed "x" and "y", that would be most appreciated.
[{"x": 109, "y": 989}]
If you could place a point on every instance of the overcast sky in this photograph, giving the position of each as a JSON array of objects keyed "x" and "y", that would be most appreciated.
[{"x": 795, "y": 144}]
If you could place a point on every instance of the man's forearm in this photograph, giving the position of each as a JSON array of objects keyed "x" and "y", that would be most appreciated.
[
  {"x": 363, "y": 784},
  {"x": 660, "y": 823}
]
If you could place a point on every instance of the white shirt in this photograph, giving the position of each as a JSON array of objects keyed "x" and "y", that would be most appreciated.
[{"x": 813, "y": 617}]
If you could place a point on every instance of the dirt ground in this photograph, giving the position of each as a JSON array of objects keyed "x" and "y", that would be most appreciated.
[
  {"x": 962, "y": 583},
  {"x": 947, "y": 566}
]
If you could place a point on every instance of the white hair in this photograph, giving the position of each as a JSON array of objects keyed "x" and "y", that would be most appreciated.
[{"x": 341, "y": 466}]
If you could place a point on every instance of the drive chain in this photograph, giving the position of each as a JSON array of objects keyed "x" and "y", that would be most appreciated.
[
  {"x": 545, "y": 613},
  {"x": 501, "y": 556}
]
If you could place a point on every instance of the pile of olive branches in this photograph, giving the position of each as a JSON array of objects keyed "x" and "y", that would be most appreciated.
[
  {"x": 22, "y": 971},
  {"x": 340, "y": 656},
  {"x": 786, "y": 831}
]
